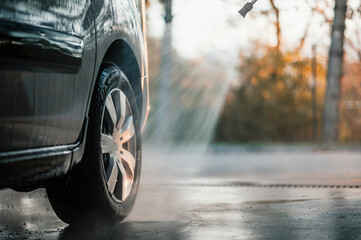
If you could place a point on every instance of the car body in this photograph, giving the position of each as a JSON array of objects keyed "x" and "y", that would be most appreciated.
[{"x": 51, "y": 54}]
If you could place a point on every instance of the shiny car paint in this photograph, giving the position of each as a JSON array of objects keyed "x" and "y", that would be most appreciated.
[{"x": 50, "y": 54}]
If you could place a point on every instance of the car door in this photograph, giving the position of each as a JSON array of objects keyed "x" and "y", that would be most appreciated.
[{"x": 47, "y": 55}]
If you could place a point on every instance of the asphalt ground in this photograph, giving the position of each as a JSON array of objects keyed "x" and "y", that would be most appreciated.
[{"x": 218, "y": 193}]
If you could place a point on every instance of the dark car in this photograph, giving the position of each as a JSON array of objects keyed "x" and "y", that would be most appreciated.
[{"x": 73, "y": 103}]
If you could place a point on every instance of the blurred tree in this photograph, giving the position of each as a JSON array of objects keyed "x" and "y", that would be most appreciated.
[
  {"x": 276, "y": 11},
  {"x": 350, "y": 104},
  {"x": 269, "y": 106},
  {"x": 165, "y": 75},
  {"x": 334, "y": 74},
  {"x": 248, "y": 112}
]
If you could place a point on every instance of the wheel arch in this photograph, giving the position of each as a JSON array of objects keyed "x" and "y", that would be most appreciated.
[{"x": 121, "y": 55}]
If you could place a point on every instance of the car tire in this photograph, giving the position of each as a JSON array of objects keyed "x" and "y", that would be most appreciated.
[{"x": 104, "y": 185}]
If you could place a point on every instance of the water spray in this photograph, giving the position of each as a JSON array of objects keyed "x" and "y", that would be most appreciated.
[{"x": 247, "y": 8}]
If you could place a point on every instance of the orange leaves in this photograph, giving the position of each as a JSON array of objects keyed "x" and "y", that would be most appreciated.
[
  {"x": 350, "y": 104},
  {"x": 273, "y": 102}
]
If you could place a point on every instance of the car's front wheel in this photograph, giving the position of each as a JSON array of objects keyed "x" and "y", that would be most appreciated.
[{"x": 104, "y": 185}]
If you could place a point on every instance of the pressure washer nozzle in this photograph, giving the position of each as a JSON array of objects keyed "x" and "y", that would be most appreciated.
[{"x": 247, "y": 8}]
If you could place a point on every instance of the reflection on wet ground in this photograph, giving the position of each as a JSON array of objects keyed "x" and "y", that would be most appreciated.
[{"x": 292, "y": 195}]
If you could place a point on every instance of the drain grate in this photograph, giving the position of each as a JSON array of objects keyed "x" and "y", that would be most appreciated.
[{"x": 256, "y": 185}]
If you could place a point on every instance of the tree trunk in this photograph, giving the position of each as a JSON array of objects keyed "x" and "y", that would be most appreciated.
[
  {"x": 334, "y": 74},
  {"x": 277, "y": 24},
  {"x": 165, "y": 78}
]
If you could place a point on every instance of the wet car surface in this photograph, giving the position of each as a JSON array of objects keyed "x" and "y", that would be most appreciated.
[
  {"x": 303, "y": 194},
  {"x": 73, "y": 102}
]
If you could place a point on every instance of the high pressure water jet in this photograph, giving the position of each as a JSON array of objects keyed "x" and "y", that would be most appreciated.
[{"x": 247, "y": 8}]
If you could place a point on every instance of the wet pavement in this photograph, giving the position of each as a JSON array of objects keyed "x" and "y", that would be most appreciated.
[{"x": 222, "y": 193}]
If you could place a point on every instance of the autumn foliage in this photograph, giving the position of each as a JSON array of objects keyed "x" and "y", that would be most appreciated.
[
  {"x": 273, "y": 101},
  {"x": 350, "y": 104}
]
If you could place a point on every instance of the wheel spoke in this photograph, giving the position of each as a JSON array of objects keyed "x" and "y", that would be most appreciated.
[
  {"x": 128, "y": 174},
  {"x": 123, "y": 108},
  {"x": 108, "y": 144},
  {"x": 112, "y": 173},
  {"x": 111, "y": 110},
  {"x": 128, "y": 159},
  {"x": 123, "y": 176},
  {"x": 127, "y": 184},
  {"x": 127, "y": 131}
]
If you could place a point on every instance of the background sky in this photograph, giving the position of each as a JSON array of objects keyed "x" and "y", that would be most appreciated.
[
  {"x": 213, "y": 29},
  {"x": 203, "y": 27}
]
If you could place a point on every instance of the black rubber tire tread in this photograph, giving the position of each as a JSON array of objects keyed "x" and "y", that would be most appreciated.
[{"x": 82, "y": 195}]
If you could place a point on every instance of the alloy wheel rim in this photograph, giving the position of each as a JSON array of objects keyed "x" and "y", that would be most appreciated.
[{"x": 118, "y": 144}]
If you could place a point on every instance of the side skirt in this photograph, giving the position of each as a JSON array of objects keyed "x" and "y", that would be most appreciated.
[{"x": 28, "y": 169}]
